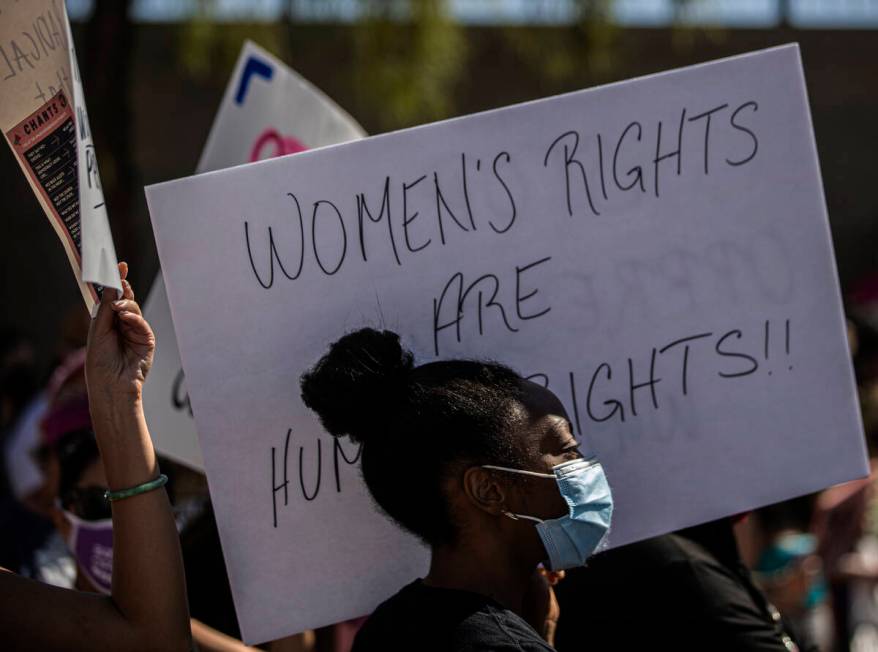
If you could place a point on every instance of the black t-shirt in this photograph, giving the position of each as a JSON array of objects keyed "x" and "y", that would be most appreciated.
[
  {"x": 430, "y": 619},
  {"x": 683, "y": 592}
]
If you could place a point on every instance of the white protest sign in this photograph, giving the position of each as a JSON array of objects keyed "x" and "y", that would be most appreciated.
[
  {"x": 44, "y": 120},
  {"x": 268, "y": 110},
  {"x": 656, "y": 250}
]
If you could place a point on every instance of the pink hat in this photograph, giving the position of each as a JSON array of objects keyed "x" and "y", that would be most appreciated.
[
  {"x": 70, "y": 416},
  {"x": 66, "y": 413}
]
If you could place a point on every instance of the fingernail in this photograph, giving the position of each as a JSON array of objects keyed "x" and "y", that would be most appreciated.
[{"x": 118, "y": 304}]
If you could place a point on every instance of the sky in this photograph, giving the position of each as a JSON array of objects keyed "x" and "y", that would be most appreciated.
[{"x": 729, "y": 13}]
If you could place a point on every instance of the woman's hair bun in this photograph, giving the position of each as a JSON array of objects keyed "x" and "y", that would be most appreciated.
[{"x": 355, "y": 386}]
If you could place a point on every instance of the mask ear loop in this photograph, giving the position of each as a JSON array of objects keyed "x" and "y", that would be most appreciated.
[
  {"x": 533, "y": 474},
  {"x": 521, "y": 517}
]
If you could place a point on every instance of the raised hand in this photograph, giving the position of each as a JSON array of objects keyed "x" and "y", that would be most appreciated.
[
  {"x": 540, "y": 607},
  {"x": 120, "y": 346}
]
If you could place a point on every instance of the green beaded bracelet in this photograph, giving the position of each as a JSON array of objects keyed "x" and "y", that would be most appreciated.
[{"x": 160, "y": 481}]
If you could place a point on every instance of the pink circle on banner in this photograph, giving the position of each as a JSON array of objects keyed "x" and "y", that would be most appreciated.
[{"x": 280, "y": 144}]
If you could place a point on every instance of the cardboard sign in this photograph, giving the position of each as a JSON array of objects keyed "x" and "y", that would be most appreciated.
[
  {"x": 268, "y": 110},
  {"x": 655, "y": 251},
  {"x": 44, "y": 120}
]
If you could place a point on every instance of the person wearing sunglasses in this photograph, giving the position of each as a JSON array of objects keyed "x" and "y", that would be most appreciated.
[
  {"x": 146, "y": 607},
  {"x": 482, "y": 465},
  {"x": 82, "y": 514}
]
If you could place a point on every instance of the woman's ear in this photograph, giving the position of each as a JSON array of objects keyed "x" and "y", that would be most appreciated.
[{"x": 484, "y": 490}]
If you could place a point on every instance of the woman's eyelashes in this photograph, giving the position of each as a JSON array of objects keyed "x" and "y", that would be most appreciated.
[{"x": 570, "y": 450}]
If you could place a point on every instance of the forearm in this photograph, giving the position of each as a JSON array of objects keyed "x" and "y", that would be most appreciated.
[
  {"x": 123, "y": 438},
  {"x": 36, "y": 616},
  {"x": 145, "y": 539},
  {"x": 207, "y": 639},
  {"x": 548, "y": 632}
]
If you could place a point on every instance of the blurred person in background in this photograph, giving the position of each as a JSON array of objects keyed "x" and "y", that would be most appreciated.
[
  {"x": 846, "y": 516},
  {"x": 684, "y": 591},
  {"x": 66, "y": 415},
  {"x": 20, "y": 413},
  {"x": 787, "y": 567},
  {"x": 789, "y": 571},
  {"x": 146, "y": 608},
  {"x": 24, "y": 495}
]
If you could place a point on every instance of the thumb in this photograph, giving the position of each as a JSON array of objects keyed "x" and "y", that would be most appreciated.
[{"x": 102, "y": 322}]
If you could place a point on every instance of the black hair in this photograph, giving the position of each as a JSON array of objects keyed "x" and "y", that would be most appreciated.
[
  {"x": 415, "y": 424},
  {"x": 76, "y": 450}
]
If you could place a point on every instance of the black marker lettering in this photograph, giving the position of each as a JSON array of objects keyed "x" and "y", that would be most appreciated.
[
  {"x": 406, "y": 219},
  {"x": 283, "y": 485},
  {"x": 12, "y": 72},
  {"x": 469, "y": 208},
  {"x": 519, "y": 299},
  {"x": 707, "y": 114},
  {"x": 440, "y": 204},
  {"x": 364, "y": 212},
  {"x": 569, "y": 160},
  {"x": 302, "y": 472},
  {"x": 601, "y": 167},
  {"x": 731, "y": 354},
  {"x": 686, "y": 341},
  {"x": 18, "y": 55},
  {"x": 437, "y": 311},
  {"x": 677, "y": 153},
  {"x": 179, "y": 395},
  {"x": 755, "y": 107},
  {"x": 491, "y": 303},
  {"x": 616, "y": 405},
  {"x": 272, "y": 250},
  {"x": 338, "y": 451},
  {"x": 651, "y": 383},
  {"x": 344, "y": 235},
  {"x": 575, "y": 401},
  {"x": 36, "y": 52},
  {"x": 508, "y": 194},
  {"x": 637, "y": 171}
]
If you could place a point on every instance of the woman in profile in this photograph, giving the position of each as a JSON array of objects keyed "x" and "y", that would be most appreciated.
[{"x": 482, "y": 466}]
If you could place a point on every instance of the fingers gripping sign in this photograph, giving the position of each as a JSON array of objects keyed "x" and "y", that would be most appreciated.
[{"x": 121, "y": 343}]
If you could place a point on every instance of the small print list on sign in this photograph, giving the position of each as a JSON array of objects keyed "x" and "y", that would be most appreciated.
[{"x": 47, "y": 140}]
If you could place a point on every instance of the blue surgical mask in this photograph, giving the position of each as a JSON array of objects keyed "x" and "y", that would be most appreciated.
[{"x": 571, "y": 539}]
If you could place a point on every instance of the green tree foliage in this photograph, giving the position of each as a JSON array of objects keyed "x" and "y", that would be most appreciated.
[
  {"x": 207, "y": 49},
  {"x": 408, "y": 59},
  {"x": 405, "y": 59},
  {"x": 567, "y": 53}
]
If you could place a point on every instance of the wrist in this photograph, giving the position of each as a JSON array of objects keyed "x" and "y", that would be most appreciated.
[
  {"x": 115, "y": 410},
  {"x": 549, "y": 632}
]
